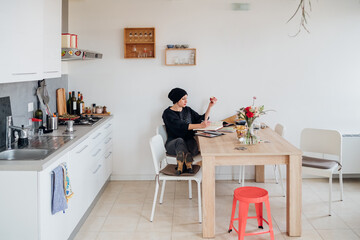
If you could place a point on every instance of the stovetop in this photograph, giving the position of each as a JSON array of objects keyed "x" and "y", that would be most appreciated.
[{"x": 85, "y": 120}]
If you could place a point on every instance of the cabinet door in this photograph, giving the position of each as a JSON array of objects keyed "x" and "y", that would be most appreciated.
[
  {"x": 52, "y": 38},
  {"x": 60, "y": 225},
  {"x": 26, "y": 39}
]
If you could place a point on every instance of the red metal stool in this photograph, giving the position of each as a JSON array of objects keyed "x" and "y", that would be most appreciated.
[{"x": 245, "y": 196}]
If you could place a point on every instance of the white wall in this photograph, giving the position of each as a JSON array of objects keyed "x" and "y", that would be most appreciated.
[{"x": 311, "y": 80}]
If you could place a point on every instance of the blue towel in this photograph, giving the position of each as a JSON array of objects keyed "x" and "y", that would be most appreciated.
[{"x": 58, "y": 195}]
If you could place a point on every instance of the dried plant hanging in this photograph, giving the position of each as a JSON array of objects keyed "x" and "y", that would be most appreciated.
[{"x": 302, "y": 7}]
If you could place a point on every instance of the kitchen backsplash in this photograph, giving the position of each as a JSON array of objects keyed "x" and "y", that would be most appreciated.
[{"x": 22, "y": 93}]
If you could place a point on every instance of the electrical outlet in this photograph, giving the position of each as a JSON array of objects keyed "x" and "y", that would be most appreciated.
[{"x": 30, "y": 107}]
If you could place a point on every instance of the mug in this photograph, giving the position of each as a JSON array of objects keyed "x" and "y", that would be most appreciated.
[{"x": 51, "y": 123}]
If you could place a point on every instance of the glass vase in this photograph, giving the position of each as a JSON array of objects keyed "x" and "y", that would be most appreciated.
[{"x": 250, "y": 137}]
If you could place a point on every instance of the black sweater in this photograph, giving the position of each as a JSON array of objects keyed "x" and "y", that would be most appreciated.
[{"x": 177, "y": 123}]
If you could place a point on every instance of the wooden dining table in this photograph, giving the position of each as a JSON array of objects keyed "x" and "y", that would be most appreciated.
[{"x": 226, "y": 150}]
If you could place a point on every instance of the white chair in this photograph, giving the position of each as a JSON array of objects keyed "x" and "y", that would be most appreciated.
[
  {"x": 279, "y": 129},
  {"x": 159, "y": 156},
  {"x": 320, "y": 147}
]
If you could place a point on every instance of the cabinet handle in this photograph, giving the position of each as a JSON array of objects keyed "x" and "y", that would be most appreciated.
[
  {"x": 97, "y": 152},
  {"x": 24, "y": 73},
  {"x": 51, "y": 71},
  {"x": 97, "y": 136},
  {"x": 108, "y": 155},
  {"x": 108, "y": 140},
  {"x": 108, "y": 126},
  {"x": 82, "y": 149},
  {"x": 97, "y": 169}
]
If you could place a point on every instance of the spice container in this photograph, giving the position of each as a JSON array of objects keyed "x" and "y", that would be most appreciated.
[{"x": 99, "y": 109}]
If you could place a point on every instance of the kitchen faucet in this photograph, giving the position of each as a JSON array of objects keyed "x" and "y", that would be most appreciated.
[{"x": 23, "y": 133}]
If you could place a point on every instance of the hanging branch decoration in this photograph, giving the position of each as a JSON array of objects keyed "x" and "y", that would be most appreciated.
[{"x": 304, "y": 14}]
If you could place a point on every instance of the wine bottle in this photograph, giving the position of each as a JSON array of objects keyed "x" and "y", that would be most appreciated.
[
  {"x": 78, "y": 109},
  {"x": 82, "y": 105},
  {"x": 68, "y": 104},
  {"x": 73, "y": 103}
]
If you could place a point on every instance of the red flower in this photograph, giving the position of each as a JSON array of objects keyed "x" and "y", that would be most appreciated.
[
  {"x": 250, "y": 114},
  {"x": 247, "y": 109}
]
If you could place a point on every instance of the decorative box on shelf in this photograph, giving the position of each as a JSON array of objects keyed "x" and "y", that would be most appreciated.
[
  {"x": 180, "y": 57},
  {"x": 139, "y": 43}
]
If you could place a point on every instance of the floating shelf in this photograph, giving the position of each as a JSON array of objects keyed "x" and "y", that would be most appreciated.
[{"x": 180, "y": 57}]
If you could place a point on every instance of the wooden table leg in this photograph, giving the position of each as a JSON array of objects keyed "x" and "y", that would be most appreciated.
[
  {"x": 293, "y": 196},
  {"x": 260, "y": 173},
  {"x": 208, "y": 197}
]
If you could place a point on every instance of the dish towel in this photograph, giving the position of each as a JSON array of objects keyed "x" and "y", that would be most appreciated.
[
  {"x": 67, "y": 187},
  {"x": 58, "y": 202}
]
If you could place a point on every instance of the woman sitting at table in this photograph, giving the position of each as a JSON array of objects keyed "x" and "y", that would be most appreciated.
[{"x": 180, "y": 121}]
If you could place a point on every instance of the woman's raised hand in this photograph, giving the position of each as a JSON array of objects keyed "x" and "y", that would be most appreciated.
[{"x": 212, "y": 101}]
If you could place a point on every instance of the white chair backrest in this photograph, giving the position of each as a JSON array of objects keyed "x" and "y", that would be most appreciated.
[
  {"x": 321, "y": 141},
  {"x": 161, "y": 130},
  {"x": 280, "y": 129},
  {"x": 158, "y": 151}
]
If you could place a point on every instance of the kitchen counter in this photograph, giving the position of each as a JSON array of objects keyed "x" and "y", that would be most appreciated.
[{"x": 79, "y": 135}]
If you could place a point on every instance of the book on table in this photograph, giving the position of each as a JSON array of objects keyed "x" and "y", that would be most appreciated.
[{"x": 208, "y": 134}]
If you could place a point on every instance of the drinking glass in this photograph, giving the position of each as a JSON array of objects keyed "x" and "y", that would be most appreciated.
[
  {"x": 150, "y": 36},
  {"x": 130, "y": 36},
  {"x": 140, "y": 37},
  {"x": 135, "y": 36}
]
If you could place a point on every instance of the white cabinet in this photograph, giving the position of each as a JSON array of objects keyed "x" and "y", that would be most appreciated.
[
  {"x": 26, "y": 204},
  {"x": 26, "y": 39},
  {"x": 31, "y": 40},
  {"x": 52, "y": 39}
]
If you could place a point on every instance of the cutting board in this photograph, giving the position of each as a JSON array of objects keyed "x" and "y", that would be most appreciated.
[{"x": 61, "y": 101}]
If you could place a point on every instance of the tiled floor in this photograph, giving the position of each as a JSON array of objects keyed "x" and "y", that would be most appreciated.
[{"x": 124, "y": 209}]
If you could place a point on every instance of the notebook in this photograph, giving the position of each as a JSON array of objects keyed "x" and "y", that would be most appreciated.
[{"x": 212, "y": 127}]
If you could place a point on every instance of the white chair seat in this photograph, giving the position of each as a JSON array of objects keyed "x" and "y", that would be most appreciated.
[
  {"x": 195, "y": 177},
  {"x": 319, "y": 163}
]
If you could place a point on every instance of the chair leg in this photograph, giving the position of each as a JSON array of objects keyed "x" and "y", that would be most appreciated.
[
  {"x": 162, "y": 191},
  {"x": 276, "y": 178},
  {"x": 267, "y": 205},
  {"x": 154, "y": 202},
  {"x": 259, "y": 214},
  {"x": 243, "y": 216},
  {"x": 199, "y": 201},
  {"x": 240, "y": 175},
  {"x": 341, "y": 186},
  {"x": 330, "y": 193},
  {"x": 281, "y": 181},
  {"x": 190, "y": 190},
  {"x": 232, "y": 215}
]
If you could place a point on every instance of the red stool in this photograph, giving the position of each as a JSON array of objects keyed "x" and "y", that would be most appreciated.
[{"x": 245, "y": 196}]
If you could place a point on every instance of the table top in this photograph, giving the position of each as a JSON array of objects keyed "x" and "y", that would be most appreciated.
[{"x": 225, "y": 145}]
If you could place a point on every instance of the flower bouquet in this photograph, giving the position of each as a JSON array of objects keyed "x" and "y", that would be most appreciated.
[{"x": 249, "y": 114}]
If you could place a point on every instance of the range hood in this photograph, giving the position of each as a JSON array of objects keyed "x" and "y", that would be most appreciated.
[{"x": 68, "y": 54}]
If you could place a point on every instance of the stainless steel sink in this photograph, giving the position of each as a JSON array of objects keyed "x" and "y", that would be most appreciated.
[{"x": 24, "y": 154}]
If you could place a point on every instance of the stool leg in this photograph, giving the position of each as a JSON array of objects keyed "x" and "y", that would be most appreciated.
[
  {"x": 243, "y": 215},
  {"x": 232, "y": 215},
  {"x": 267, "y": 205},
  {"x": 259, "y": 214}
]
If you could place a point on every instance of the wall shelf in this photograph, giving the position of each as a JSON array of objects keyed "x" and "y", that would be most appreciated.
[
  {"x": 180, "y": 57},
  {"x": 139, "y": 42}
]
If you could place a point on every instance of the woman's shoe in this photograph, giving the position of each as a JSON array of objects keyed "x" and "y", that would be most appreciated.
[
  {"x": 188, "y": 162},
  {"x": 180, "y": 162}
]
